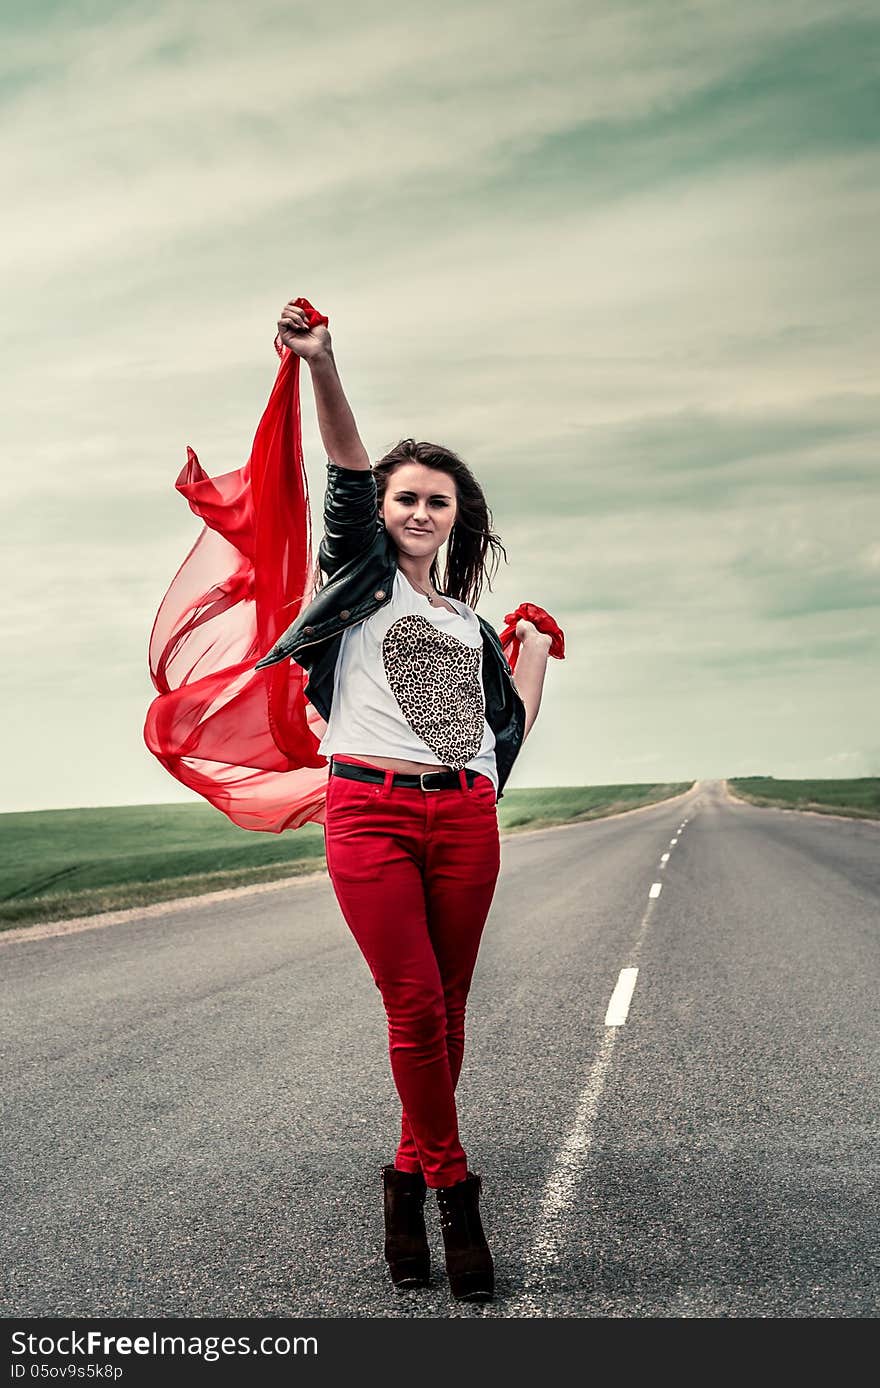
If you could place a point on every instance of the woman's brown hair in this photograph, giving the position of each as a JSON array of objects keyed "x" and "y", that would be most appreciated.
[{"x": 471, "y": 537}]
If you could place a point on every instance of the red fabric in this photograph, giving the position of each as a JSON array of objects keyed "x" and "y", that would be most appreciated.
[
  {"x": 539, "y": 618},
  {"x": 246, "y": 740}
]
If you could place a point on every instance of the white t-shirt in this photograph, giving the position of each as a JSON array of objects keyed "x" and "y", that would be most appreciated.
[{"x": 408, "y": 683}]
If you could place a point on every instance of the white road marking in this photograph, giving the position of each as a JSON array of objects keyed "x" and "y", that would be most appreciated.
[
  {"x": 562, "y": 1185},
  {"x": 656, "y": 888},
  {"x": 664, "y": 857},
  {"x": 672, "y": 841},
  {"x": 618, "y": 1007},
  {"x": 567, "y": 1171}
]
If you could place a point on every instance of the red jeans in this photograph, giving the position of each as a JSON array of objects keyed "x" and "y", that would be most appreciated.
[{"x": 414, "y": 872}]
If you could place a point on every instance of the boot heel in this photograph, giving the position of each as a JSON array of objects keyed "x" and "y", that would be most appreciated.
[
  {"x": 406, "y": 1241},
  {"x": 468, "y": 1259}
]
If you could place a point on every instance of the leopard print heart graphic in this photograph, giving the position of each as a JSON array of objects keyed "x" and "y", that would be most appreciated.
[{"x": 436, "y": 682}]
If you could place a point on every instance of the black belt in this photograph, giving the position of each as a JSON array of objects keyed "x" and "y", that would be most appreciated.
[{"x": 424, "y": 780}]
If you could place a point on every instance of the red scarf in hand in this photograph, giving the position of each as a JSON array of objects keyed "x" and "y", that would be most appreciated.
[
  {"x": 247, "y": 740},
  {"x": 539, "y": 618}
]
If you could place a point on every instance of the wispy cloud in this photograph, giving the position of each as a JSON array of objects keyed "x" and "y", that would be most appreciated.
[{"x": 618, "y": 255}]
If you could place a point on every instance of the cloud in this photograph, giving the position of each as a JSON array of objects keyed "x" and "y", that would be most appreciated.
[{"x": 621, "y": 257}]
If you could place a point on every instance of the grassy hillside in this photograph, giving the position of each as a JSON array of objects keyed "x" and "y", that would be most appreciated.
[
  {"x": 859, "y": 798},
  {"x": 61, "y": 863}
]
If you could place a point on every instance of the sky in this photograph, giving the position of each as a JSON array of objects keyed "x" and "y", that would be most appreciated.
[{"x": 618, "y": 256}]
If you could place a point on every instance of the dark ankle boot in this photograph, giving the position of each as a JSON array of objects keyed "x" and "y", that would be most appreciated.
[
  {"x": 468, "y": 1260},
  {"x": 406, "y": 1242}
]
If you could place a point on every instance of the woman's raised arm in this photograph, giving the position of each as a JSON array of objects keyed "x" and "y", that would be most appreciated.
[
  {"x": 531, "y": 667},
  {"x": 339, "y": 432}
]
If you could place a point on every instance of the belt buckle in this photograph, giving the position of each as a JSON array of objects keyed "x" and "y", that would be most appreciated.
[{"x": 423, "y": 774}]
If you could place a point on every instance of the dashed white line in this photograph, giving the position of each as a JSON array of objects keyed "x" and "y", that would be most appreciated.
[
  {"x": 656, "y": 888},
  {"x": 664, "y": 857},
  {"x": 618, "y": 1007},
  {"x": 672, "y": 841}
]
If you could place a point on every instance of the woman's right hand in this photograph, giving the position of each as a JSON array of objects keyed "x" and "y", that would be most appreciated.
[{"x": 295, "y": 333}]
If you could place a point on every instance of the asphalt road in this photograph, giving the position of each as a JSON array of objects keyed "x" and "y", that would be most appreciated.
[{"x": 198, "y": 1104}]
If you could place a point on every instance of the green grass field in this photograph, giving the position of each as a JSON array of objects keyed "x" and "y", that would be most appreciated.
[
  {"x": 859, "y": 799},
  {"x": 61, "y": 863}
]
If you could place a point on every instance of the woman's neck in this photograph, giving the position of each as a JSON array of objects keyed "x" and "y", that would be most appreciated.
[{"x": 418, "y": 571}]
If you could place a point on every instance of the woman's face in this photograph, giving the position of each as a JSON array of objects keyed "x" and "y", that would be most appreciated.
[{"x": 419, "y": 508}]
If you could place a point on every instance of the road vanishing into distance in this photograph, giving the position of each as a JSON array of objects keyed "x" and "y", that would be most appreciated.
[{"x": 669, "y": 1088}]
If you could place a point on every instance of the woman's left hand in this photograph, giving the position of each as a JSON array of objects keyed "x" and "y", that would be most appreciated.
[{"x": 527, "y": 632}]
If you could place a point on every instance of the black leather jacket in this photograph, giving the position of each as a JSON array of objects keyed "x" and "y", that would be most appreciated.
[{"x": 359, "y": 561}]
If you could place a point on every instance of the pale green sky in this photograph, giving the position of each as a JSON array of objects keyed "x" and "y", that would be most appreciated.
[{"x": 617, "y": 255}]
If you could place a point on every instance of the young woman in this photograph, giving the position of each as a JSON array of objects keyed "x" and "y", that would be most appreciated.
[{"x": 422, "y": 731}]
